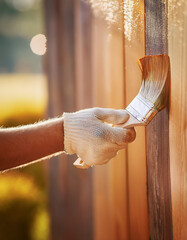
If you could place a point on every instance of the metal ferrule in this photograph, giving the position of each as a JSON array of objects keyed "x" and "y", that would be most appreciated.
[{"x": 142, "y": 109}]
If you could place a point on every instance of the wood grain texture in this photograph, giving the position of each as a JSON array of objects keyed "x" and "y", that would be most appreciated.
[
  {"x": 83, "y": 78},
  {"x": 70, "y": 188},
  {"x": 157, "y": 133},
  {"x": 178, "y": 117},
  {"x": 57, "y": 189},
  {"x": 137, "y": 175},
  {"x": 110, "y": 181},
  {"x": 83, "y": 54}
]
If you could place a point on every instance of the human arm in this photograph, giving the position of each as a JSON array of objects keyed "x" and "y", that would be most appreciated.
[
  {"x": 86, "y": 133},
  {"x": 25, "y": 144}
]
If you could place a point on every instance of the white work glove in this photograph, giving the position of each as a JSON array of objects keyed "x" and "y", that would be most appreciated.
[{"x": 88, "y": 134}]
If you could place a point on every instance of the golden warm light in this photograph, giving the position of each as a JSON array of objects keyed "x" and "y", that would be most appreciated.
[{"x": 22, "y": 95}]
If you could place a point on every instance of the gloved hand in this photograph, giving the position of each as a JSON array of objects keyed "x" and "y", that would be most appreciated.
[{"x": 90, "y": 135}]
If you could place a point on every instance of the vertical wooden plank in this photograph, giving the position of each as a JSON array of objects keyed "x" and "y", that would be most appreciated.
[
  {"x": 83, "y": 78},
  {"x": 178, "y": 116},
  {"x": 83, "y": 54},
  {"x": 103, "y": 227},
  {"x": 70, "y": 188},
  {"x": 54, "y": 109},
  {"x": 137, "y": 175},
  {"x": 51, "y": 60},
  {"x": 157, "y": 133},
  {"x": 110, "y": 185}
]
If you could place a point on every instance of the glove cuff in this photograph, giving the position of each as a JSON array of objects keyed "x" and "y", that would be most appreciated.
[{"x": 71, "y": 132}]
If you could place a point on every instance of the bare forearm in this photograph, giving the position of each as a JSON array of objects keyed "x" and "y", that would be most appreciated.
[{"x": 29, "y": 143}]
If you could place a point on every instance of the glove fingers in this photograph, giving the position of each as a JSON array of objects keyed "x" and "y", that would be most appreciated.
[
  {"x": 122, "y": 136},
  {"x": 111, "y": 115},
  {"x": 80, "y": 164}
]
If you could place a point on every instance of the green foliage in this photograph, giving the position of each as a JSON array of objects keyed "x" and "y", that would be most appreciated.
[
  {"x": 16, "y": 55},
  {"x": 6, "y": 9},
  {"x": 16, "y": 217},
  {"x": 23, "y": 211},
  {"x": 16, "y": 30}
]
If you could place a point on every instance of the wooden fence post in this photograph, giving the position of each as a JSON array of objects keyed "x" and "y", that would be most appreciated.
[{"x": 157, "y": 133}]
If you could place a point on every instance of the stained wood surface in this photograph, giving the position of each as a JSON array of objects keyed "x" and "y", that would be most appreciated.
[
  {"x": 178, "y": 117},
  {"x": 157, "y": 133},
  {"x": 69, "y": 188},
  {"x": 83, "y": 78},
  {"x": 120, "y": 196},
  {"x": 83, "y": 55},
  {"x": 110, "y": 181},
  {"x": 136, "y": 154},
  {"x": 89, "y": 64}
]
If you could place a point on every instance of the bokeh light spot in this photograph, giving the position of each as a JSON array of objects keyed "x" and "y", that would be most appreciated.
[{"x": 38, "y": 44}]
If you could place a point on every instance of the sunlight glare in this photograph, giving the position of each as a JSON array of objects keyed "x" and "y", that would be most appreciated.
[{"x": 115, "y": 12}]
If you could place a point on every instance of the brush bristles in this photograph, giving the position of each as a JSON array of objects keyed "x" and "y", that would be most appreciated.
[{"x": 155, "y": 79}]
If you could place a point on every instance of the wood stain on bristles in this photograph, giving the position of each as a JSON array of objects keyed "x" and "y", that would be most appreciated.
[
  {"x": 155, "y": 79},
  {"x": 154, "y": 92}
]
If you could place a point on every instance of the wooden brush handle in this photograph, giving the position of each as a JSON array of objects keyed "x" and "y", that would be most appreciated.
[{"x": 132, "y": 122}]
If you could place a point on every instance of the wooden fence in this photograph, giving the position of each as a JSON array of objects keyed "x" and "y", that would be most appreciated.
[{"x": 142, "y": 193}]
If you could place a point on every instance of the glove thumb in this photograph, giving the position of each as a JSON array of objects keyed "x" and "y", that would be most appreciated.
[{"x": 80, "y": 164}]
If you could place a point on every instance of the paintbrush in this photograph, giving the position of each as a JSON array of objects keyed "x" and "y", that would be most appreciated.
[{"x": 154, "y": 92}]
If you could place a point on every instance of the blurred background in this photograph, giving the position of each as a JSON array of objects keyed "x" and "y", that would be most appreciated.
[{"x": 23, "y": 100}]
